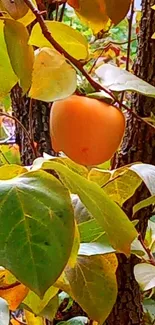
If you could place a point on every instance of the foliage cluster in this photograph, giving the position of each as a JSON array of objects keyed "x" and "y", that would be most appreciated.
[{"x": 63, "y": 231}]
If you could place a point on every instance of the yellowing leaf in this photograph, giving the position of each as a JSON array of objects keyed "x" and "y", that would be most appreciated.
[
  {"x": 16, "y": 9},
  {"x": 98, "y": 14},
  {"x": 12, "y": 291},
  {"x": 14, "y": 296},
  {"x": 15, "y": 322},
  {"x": 25, "y": 20},
  {"x": 117, "y": 9},
  {"x": 75, "y": 248},
  {"x": 21, "y": 54},
  {"x": 93, "y": 13},
  {"x": 93, "y": 284},
  {"x": 32, "y": 319},
  {"x": 11, "y": 171},
  {"x": 70, "y": 39},
  {"x": 99, "y": 176},
  {"x": 121, "y": 188},
  {"x": 52, "y": 78},
  {"x": 37, "y": 305},
  {"x": 9, "y": 154},
  {"x": 7, "y": 76}
]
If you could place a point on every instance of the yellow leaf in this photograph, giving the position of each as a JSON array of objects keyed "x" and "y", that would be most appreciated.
[
  {"x": 16, "y": 9},
  {"x": 153, "y": 7},
  {"x": 15, "y": 322},
  {"x": 37, "y": 305},
  {"x": 93, "y": 14},
  {"x": 52, "y": 78},
  {"x": 21, "y": 54},
  {"x": 117, "y": 9},
  {"x": 25, "y": 20},
  {"x": 7, "y": 76},
  {"x": 32, "y": 319},
  {"x": 70, "y": 39},
  {"x": 153, "y": 36},
  {"x": 75, "y": 248}
]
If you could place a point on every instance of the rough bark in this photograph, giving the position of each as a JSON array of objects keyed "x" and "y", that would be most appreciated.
[
  {"x": 138, "y": 145},
  {"x": 35, "y": 118}
]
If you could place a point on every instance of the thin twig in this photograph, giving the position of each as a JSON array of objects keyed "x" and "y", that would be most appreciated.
[
  {"x": 129, "y": 44},
  {"x": 147, "y": 250},
  {"x": 25, "y": 131},
  {"x": 113, "y": 43},
  {"x": 57, "y": 11},
  {"x": 62, "y": 11},
  {"x": 31, "y": 119},
  {"x": 78, "y": 64}
]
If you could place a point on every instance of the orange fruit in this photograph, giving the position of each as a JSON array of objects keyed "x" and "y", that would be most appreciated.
[{"x": 87, "y": 130}]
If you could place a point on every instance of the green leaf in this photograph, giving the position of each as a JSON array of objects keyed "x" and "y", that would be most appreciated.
[
  {"x": 149, "y": 307},
  {"x": 93, "y": 284},
  {"x": 150, "y": 236},
  {"x": 120, "y": 80},
  {"x": 107, "y": 213},
  {"x": 79, "y": 169},
  {"x": 144, "y": 204},
  {"x": 39, "y": 306},
  {"x": 106, "y": 165},
  {"x": 145, "y": 275},
  {"x": 21, "y": 54},
  {"x": 8, "y": 79},
  {"x": 102, "y": 95},
  {"x": 147, "y": 173},
  {"x": 90, "y": 231},
  {"x": 9, "y": 154},
  {"x": 70, "y": 39},
  {"x": 90, "y": 249},
  {"x": 37, "y": 229},
  {"x": 4, "y": 312},
  {"x": 52, "y": 78},
  {"x": 6, "y": 102}
]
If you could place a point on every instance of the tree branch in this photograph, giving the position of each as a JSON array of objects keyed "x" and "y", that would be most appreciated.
[
  {"x": 75, "y": 62},
  {"x": 25, "y": 131}
]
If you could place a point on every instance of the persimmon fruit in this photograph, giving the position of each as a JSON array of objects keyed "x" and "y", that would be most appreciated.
[{"x": 87, "y": 130}]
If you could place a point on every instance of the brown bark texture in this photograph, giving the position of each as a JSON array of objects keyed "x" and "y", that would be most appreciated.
[{"x": 138, "y": 145}]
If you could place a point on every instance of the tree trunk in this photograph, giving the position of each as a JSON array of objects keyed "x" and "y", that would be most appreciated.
[{"x": 138, "y": 145}]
